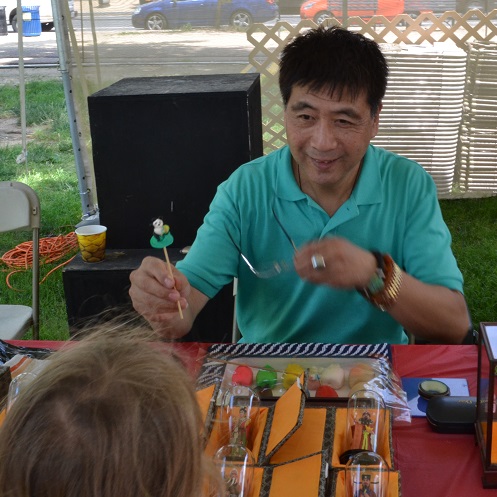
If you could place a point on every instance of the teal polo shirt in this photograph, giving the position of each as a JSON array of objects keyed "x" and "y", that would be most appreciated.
[{"x": 393, "y": 208}]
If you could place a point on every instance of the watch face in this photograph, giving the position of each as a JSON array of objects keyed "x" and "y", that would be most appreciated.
[{"x": 433, "y": 388}]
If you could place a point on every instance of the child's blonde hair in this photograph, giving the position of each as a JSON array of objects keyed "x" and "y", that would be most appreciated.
[{"x": 110, "y": 416}]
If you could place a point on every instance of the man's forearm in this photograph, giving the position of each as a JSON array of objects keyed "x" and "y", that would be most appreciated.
[{"x": 431, "y": 312}]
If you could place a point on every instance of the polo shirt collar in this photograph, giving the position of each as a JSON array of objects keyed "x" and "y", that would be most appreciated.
[
  {"x": 286, "y": 186},
  {"x": 368, "y": 189}
]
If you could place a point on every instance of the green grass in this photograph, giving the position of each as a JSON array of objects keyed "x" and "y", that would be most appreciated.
[
  {"x": 51, "y": 172},
  {"x": 473, "y": 224}
]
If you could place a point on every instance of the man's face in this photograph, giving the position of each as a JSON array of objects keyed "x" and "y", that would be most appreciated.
[{"x": 328, "y": 137}]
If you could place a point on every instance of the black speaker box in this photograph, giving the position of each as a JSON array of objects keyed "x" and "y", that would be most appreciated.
[
  {"x": 162, "y": 145},
  {"x": 98, "y": 292}
]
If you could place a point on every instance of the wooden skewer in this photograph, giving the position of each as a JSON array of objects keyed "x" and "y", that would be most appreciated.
[{"x": 172, "y": 277}]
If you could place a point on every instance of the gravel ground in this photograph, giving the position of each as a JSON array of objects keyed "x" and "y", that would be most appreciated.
[
  {"x": 11, "y": 133},
  {"x": 10, "y": 76}
]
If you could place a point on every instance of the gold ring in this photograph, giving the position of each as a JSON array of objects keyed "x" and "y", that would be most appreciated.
[{"x": 317, "y": 261}]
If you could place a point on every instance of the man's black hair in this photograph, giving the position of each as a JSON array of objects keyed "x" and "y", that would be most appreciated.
[{"x": 336, "y": 60}]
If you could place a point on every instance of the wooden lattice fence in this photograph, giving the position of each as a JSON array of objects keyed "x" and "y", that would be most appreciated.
[{"x": 440, "y": 108}]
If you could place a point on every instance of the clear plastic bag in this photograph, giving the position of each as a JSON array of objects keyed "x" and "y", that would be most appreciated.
[
  {"x": 378, "y": 374},
  {"x": 387, "y": 384}
]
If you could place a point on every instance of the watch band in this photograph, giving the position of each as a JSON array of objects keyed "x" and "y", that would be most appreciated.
[{"x": 384, "y": 287}]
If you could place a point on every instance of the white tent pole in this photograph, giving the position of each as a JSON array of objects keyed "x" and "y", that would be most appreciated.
[
  {"x": 87, "y": 204},
  {"x": 23, "y": 157}
]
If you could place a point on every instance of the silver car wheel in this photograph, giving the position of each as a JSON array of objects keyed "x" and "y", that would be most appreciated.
[
  {"x": 322, "y": 16},
  {"x": 156, "y": 22},
  {"x": 241, "y": 20}
]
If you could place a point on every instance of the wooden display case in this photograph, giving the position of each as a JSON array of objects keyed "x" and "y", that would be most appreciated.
[{"x": 486, "y": 412}]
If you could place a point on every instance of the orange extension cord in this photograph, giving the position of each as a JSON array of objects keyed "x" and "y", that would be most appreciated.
[{"x": 51, "y": 249}]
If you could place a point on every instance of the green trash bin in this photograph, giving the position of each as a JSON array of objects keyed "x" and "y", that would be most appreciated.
[
  {"x": 31, "y": 24},
  {"x": 3, "y": 21}
]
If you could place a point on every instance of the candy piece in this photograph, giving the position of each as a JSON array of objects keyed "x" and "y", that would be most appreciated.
[
  {"x": 162, "y": 236},
  {"x": 361, "y": 385},
  {"x": 161, "y": 239},
  {"x": 326, "y": 391},
  {"x": 278, "y": 390},
  {"x": 292, "y": 372},
  {"x": 333, "y": 375},
  {"x": 242, "y": 375},
  {"x": 265, "y": 393},
  {"x": 360, "y": 373},
  {"x": 266, "y": 378},
  {"x": 313, "y": 382}
]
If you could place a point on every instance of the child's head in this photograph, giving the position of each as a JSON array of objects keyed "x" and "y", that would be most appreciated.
[{"x": 108, "y": 417}]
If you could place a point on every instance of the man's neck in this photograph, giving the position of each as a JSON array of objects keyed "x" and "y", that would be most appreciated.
[{"x": 330, "y": 199}]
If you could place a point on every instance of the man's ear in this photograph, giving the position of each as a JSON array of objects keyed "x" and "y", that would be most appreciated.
[{"x": 376, "y": 121}]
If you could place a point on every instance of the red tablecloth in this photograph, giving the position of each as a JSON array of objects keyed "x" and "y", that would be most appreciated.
[
  {"x": 431, "y": 464},
  {"x": 192, "y": 353}
]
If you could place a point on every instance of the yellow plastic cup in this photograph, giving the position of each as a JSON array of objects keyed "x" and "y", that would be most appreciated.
[{"x": 91, "y": 240}]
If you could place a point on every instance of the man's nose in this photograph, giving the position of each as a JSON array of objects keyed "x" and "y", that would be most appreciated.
[{"x": 324, "y": 136}]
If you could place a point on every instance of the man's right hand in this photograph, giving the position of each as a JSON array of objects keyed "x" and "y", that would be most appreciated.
[{"x": 155, "y": 296}]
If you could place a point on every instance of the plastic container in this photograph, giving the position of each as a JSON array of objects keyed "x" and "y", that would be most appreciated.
[{"x": 31, "y": 24}]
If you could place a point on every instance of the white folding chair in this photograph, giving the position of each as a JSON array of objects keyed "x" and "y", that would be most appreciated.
[{"x": 20, "y": 210}]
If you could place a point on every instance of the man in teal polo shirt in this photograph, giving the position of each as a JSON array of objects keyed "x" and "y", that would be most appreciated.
[{"x": 331, "y": 239}]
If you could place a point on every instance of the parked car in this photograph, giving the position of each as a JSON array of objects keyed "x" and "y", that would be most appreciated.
[
  {"x": 165, "y": 14},
  {"x": 319, "y": 10},
  {"x": 45, "y": 10}
]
